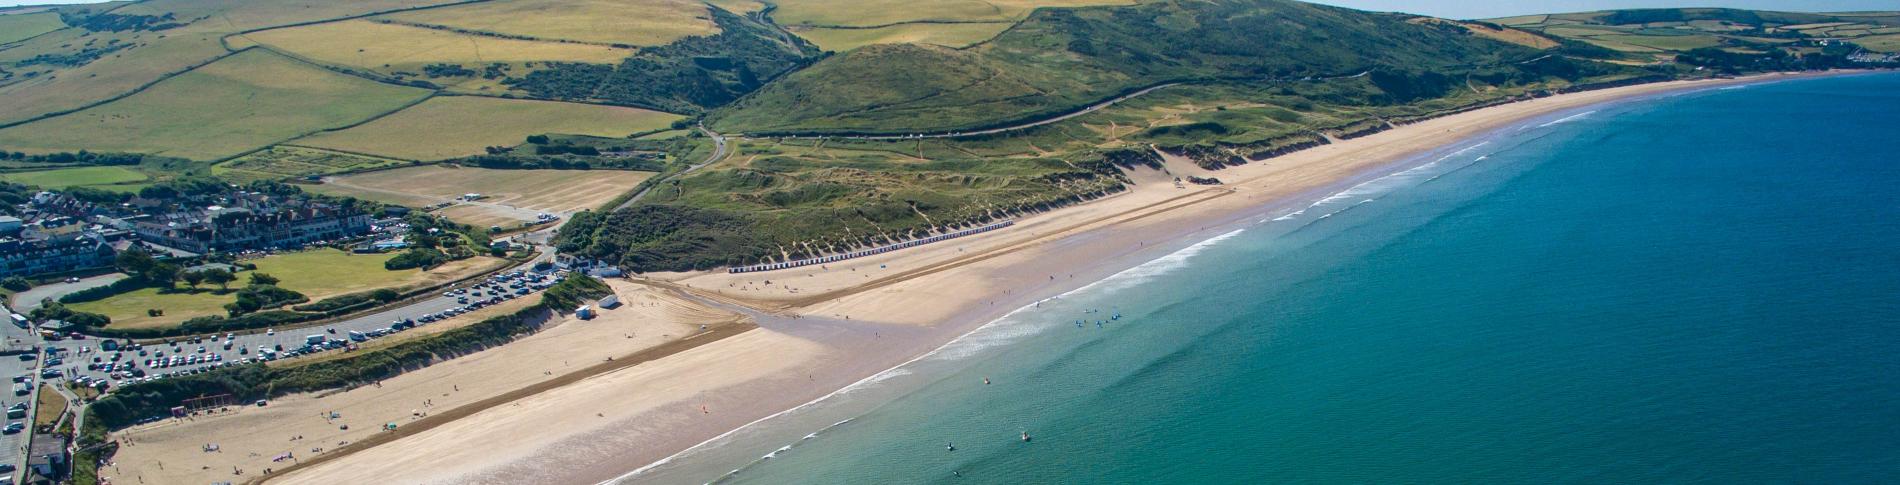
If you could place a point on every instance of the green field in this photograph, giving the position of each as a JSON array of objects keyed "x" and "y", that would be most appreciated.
[
  {"x": 624, "y": 22},
  {"x": 240, "y": 103},
  {"x": 453, "y": 126},
  {"x": 1658, "y": 35},
  {"x": 282, "y": 162},
  {"x": 885, "y": 12},
  {"x": 16, "y": 27},
  {"x": 318, "y": 274},
  {"x": 390, "y": 48},
  {"x": 75, "y": 177}
]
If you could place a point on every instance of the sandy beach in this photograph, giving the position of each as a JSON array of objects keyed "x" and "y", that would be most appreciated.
[{"x": 819, "y": 328}]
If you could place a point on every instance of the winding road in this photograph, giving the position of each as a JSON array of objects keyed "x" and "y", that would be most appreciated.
[{"x": 720, "y": 150}]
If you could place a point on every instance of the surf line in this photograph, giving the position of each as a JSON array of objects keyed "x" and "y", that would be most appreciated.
[{"x": 1170, "y": 261}]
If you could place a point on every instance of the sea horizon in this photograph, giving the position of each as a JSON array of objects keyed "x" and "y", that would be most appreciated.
[{"x": 845, "y": 419}]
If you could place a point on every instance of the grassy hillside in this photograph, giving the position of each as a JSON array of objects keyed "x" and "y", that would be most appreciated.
[
  {"x": 691, "y": 75},
  {"x": 1061, "y": 59},
  {"x": 839, "y": 25},
  {"x": 240, "y": 103},
  {"x": 16, "y": 27},
  {"x": 454, "y": 126},
  {"x": 107, "y": 50},
  {"x": 1661, "y": 35}
]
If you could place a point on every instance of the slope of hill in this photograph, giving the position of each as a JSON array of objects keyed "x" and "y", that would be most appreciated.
[
  {"x": 1060, "y": 59},
  {"x": 1712, "y": 34}
]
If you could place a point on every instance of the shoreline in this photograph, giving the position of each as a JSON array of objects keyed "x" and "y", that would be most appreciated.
[{"x": 983, "y": 286}]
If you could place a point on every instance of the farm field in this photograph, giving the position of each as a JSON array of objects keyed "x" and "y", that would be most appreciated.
[
  {"x": 237, "y": 104},
  {"x": 621, "y": 22},
  {"x": 527, "y": 190},
  {"x": 885, "y": 12},
  {"x": 19, "y": 26},
  {"x": 318, "y": 274},
  {"x": 61, "y": 88},
  {"x": 947, "y": 35},
  {"x": 390, "y": 48},
  {"x": 453, "y": 126},
  {"x": 75, "y": 177},
  {"x": 282, "y": 162}
]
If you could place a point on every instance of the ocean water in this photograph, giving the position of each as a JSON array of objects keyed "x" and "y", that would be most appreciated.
[{"x": 1702, "y": 287}]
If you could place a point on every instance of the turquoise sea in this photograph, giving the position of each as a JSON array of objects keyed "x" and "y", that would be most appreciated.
[{"x": 1702, "y": 287}]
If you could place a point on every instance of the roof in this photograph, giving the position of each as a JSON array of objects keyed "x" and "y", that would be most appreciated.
[{"x": 45, "y": 445}]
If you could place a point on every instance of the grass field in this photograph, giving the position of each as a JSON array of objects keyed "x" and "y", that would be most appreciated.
[
  {"x": 534, "y": 190},
  {"x": 391, "y": 48},
  {"x": 948, "y": 35},
  {"x": 317, "y": 274},
  {"x": 452, "y": 126},
  {"x": 885, "y": 12},
  {"x": 20, "y": 26},
  {"x": 1882, "y": 43},
  {"x": 240, "y": 103},
  {"x": 75, "y": 177},
  {"x": 50, "y": 406},
  {"x": 281, "y": 162},
  {"x": 738, "y": 6},
  {"x": 624, "y": 22}
]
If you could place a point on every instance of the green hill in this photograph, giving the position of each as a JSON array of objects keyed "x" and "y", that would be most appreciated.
[
  {"x": 1061, "y": 59},
  {"x": 1720, "y": 37}
]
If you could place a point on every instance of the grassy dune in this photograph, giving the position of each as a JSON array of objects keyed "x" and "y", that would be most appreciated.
[
  {"x": 452, "y": 126},
  {"x": 388, "y": 47},
  {"x": 636, "y": 22},
  {"x": 240, "y": 103}
]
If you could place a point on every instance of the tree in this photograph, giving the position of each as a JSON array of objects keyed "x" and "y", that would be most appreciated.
[
  {"x": 164, "y": 274},
  {"x": 220, "y": 277},
  {"x": 135, "y": 261},
  {"x": 193, "y": 278},
  {"x": 16, "y": 283},
  {"x": 263, "y": 279}
]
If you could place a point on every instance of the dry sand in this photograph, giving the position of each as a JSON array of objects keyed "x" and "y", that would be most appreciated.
[
  {"x": 898, "y": 305},
  {"x": 248, "y": 437}
]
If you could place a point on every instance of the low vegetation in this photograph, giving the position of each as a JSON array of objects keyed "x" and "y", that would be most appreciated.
[
  {"x": 1736, "y": 40},
  {"x": 610, "y": 22},
  {"x": 446, "y": 127}
]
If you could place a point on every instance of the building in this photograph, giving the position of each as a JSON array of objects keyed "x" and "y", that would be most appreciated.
[
  {"x": 21, "y": 257},
  {"x": 226, "y": 229},
  {"x": 46, "y": 456},
  {"x": 10, "y": 224}
]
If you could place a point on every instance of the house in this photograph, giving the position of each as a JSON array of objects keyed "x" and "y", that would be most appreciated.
[
  {"x": 47, "y": 456},
  {"x": 21, "y": 257},
  {"x": 10, "y": 224},
  {"x": 223, "y": 229}
]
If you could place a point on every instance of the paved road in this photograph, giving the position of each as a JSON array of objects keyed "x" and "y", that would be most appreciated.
[
  {"x": 26, "y": 301},
  {"x": 719, "y": 152}
]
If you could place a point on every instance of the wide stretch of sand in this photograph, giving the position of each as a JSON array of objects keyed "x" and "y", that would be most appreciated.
[{"x": 821, "y": 328}]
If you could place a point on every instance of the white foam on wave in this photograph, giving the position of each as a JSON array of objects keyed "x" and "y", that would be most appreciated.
[
  {"x": 992, "y": 334},
  {"x": 1567, "y": 119},
  {"x": 1364, "y": 190}
]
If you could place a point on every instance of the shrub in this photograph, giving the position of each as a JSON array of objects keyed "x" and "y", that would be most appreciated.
[
  {"x": 416, "y": 258},
  {"x": 16, "y": 283}
]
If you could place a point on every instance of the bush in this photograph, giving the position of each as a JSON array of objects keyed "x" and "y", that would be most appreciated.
[
  {"x": 97, "y": 293},
  {"x": 416, "y": 258},
  {"x": 53, "y": 310},
  {"x": 258, "y": 296},
  {"x": 16, "y": 283}
]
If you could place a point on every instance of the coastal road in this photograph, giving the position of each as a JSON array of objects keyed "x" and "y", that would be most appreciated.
[{"x": 719, "y": 153}]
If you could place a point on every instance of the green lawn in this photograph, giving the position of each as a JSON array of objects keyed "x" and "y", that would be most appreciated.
[
  {"x": 72, "y": 177},
  {"x": 330, "y": 272},
  {"x": 129, "y": 310}
]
